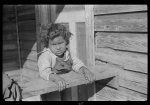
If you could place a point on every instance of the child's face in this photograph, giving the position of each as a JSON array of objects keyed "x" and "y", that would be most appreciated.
[{"x": 58, "y": 45}]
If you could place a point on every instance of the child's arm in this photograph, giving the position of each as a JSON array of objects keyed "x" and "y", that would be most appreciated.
[
  {"x": 61, "y": 83},
  {"x": 87, "y": 74},
  {"x": 79, "y": 66},
  {"x": 45, "y": 70}
]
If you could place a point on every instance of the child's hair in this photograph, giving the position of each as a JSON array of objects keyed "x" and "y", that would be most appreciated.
[{"x": 51, "y": 31}]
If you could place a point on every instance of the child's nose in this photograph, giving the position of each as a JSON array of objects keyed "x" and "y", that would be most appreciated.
[{"x": 58, "y": 47}]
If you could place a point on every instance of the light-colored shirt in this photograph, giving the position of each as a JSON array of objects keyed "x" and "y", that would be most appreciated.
[{"x": 47, "y": 60}]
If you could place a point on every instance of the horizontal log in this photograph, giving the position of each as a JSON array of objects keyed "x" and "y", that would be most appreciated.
[
  {"x": 28, "y": 45},
  {"x": 27, "y": 26},
  {"x": 107, "y": 9},
  {"x": 27, "y": 36},
  {"x": 132, "y": 95},
  {"x": 133, "y": 22},
  {"x": 123, "y": 62},
  {"x": 132, "y": 85},
  {"x": 122, "y": 41},
  {"x": 29, "y": 54}
]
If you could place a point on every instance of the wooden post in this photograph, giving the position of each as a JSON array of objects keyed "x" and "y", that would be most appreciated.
[
  {"x": 42, "y": 18},
  {"x": 89, "y": 21}
]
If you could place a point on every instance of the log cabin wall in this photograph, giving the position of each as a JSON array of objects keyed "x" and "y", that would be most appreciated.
[{"x": 120, "y": 33}]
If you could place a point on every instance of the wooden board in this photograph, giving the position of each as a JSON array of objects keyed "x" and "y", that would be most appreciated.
[
  {"x": 30, "y": 65},
  {"x": 125, "y": 60},
  {"x": 27, "y": 26},
  {"x": 28, "y": 45},
  {"x": 10, "y": 54},
  {"x": 132, "y": 22},
  {"x": 10, "y": 46},
  {"x": 122, "y": 41},
  {"x": 9, "y": 27},
  {"x": 133, "y": 85},
  {"x": 27, "y": 36},
  {"x": 9, "y": 66},
  {"x": 111, "y": 94},
  {"x": 29, "y": 54},
  {"x": 81, "y": 42},
  {"x": 26, "y": 17},
  {"x": 9, "y": 36},
  {"x": 132, "y": 95},
  {"x": 134, "y": 76},
  {"x": 107, "y": 9}
]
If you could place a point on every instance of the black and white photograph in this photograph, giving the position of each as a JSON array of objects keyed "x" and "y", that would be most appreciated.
[{"x": 84, "y": 52}]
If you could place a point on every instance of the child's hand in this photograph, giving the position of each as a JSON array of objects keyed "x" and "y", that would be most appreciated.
[
  {"x": 87, "y": 74},
  {"x": 61, "y": 83}
]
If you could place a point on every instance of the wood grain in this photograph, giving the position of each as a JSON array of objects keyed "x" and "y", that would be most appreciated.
[
  {"x": 29, "y": 64},
  {"x": 107, "y": 9},
  {"x": 132, "y": 95},
  {"x": 122, "y": 41},
  {"x": 28, "y": 45},
  {"x": 27, "y": 26},
  {"x": 27, "y": 36},
  {"x": 133, "y": 22},
  {"x": 133, "y": 85}
]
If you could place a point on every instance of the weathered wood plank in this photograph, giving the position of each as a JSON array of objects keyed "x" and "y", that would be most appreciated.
[
  {"x": 133, "y": 22},
  {"x": 30, "y": 65},
  {"x": 89, "y": 24},
  {"x": 107, "y": 9},
  {"x": 29, "y": 54},
  {"x": 111, "y": 94},
  {"x": 67, "y": 8},
  {"x": 134, "y": 76},
  {"x": 27, "y": 36},
  {"x": 9, "y": 27},
  {"x": 28, "y": 45},
  {"x": 125, "y": 60},
  {"x": 133, "y": 85},
  {"x": 132, "y": 95},
  {"x": 122, "y": 41},
  {"x": 27, "y": 26},
  {"x": 26, "y": 16},
  {"x": 81, "y": 42},
  {"x": 9, "y": 36},
  {"x": 40, "y": 86},
  {"x": 10, "y": 54},
  {"x": 11, "y": 46},
  {"x": 10, "y": 66}
]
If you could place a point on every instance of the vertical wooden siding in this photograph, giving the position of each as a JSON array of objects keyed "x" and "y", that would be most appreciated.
[{"x": 121, "y": 40}]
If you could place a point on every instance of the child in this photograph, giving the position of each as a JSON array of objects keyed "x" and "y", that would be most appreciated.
[{"x": 56, "y": 58}]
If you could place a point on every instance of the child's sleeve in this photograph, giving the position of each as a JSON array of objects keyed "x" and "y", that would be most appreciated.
[
  {"x": 44, "y": 65},
  {"x": 77, "y": 63}
]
